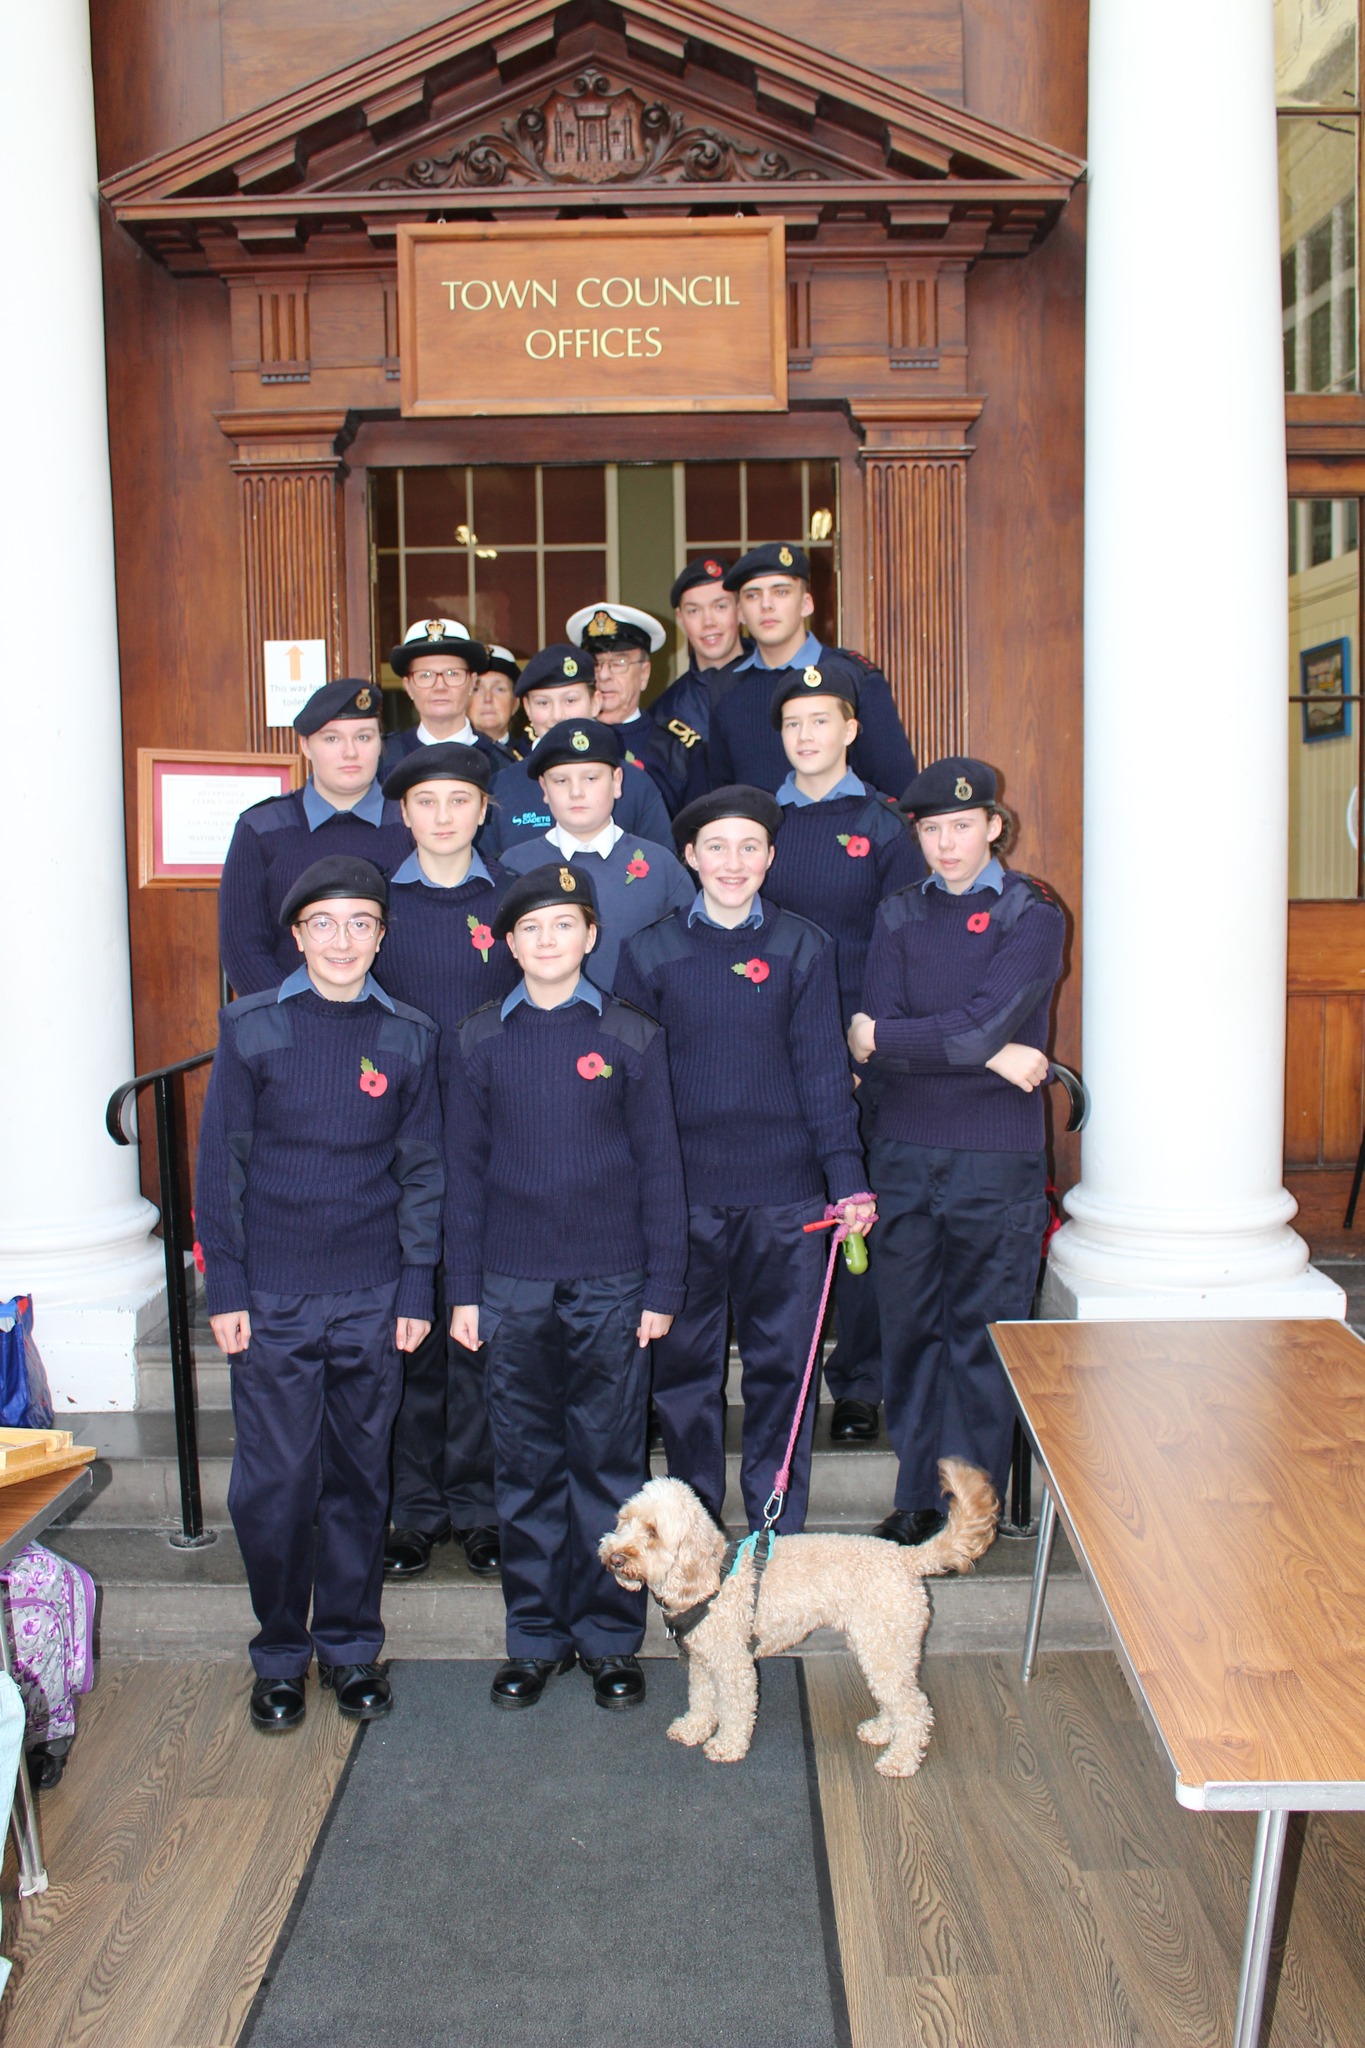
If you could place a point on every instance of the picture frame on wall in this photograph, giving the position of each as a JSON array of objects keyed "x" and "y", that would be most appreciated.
[
  {"x": 188, "y": 804},
  {"x": 1325, "y": 686}
]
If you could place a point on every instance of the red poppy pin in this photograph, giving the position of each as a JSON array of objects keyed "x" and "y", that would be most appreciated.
[
  {"x": 372, "y": 1082},
  {"x": 752, "y": 970},
  {"x": 197, "y": 1248},
  {"x": 636, "y": 868},
  {"x": 592, "y": 1065},
  {"x": 480, "y": 937},
  {"x": 978, "y": 920},
  {"x": 855, "y": 845}
]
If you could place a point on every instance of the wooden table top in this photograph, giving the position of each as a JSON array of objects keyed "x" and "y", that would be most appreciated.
[
  {"x": 1211, "y": 1477},
  {"x": 26, "y": 1509}
]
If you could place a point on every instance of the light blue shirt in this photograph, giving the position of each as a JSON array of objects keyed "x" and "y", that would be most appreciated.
[
  {"x": 698, "y": 915},
  {"x": 317, "y": 810},
  {"x": 807, "y": 655},
  {"x": 847, "y": 785},
  {"x": 299, "y": 982},
  {"x": 584, "y": 993},
  {"x": 411, "y": 871},
  {"x": 992, "y": 876}
]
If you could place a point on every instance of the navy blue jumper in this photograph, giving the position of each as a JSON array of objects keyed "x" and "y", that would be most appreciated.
[
  {"x": 693, "y": 697},
  {"x": 565, "y": 1221},
  {"x": 318, "y": 1205},
  {"x": 958, "y": 1160},
  {"x": 626, "y": 901},
  {"x": 766, "y": 1123},
  {"x": 431, "y": 957},
  {"x": 519, "y": 810},
  {"x": 744, "y": 747},
  {"x": 274, "y": 843},
  {"x": 398, "y": 745}
]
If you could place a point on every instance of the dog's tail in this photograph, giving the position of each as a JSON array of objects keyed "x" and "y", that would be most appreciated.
[{"x": 970, "y": 1528}]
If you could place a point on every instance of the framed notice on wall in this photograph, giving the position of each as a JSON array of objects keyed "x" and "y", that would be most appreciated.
[
  {"x": 587, "y": 316},
  {"x": 188, "y": 804}
]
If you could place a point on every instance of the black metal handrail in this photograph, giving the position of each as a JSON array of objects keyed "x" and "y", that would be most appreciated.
[{"x": 164, "y": 1083}]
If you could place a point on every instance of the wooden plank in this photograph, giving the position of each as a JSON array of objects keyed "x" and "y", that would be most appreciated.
[
  {"x": 1326, "y": 947},
  {"x": 1214, "y": 1474},
  {"x": 1343, "y": 1052},
  {"x": 1303, "y": 1081}
]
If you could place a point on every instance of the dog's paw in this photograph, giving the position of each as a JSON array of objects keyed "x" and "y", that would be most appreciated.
[
  {"x": 725, "y": 1750},
  {"x": 690, "y": 1729},
  {"x": 876, "y": 1731},
  {"x": 899, "y": 1764}
]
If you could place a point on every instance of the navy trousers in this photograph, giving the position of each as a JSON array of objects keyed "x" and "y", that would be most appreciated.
[
  {"x": 568, "y": 1405},
  {"x": 442, "y": 1451},
  {"x": 314, "y": 1397},
  {"x": 961, "y": 1236},
  {"x": 853, "y": 1370},
  {"x": 760, "y": 1262}
]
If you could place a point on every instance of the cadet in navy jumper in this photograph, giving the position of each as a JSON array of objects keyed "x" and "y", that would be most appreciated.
[
  {"x": 440, "y": 955},
  {"x": 274, "y": 842},
  {"x": 318, "y": 1205},
  {"x": 955, "y": 1007},
  {"x": 566, "y": 1225},
  {"x": 707, "y": 613},
  {"x": 765, "y": 1118}
]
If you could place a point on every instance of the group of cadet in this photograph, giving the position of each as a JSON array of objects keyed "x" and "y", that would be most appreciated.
[{"x": 558, "y": 1025}]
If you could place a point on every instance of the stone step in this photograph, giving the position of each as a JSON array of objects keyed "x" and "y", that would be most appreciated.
[{"x": 156, "y": 1602}]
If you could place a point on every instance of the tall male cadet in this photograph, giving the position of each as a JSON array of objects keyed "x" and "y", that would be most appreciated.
[
  {"x": 620, "y": 640},
  {"x": 439, "y": 663},
  {"x": 340, "y": 809},
  {"x": 775, "y": 607},
  {"x": 634, "y": 880},
  {"x": 557, "y": 683},
  {"x": 319, "y": 1210},
  {"x": 708, "y": 614}
]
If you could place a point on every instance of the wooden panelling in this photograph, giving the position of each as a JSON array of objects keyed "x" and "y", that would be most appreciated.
[
  {"x": 1326, "y": 947},
  {"x": 1343, "y": 1034},
  {"x": 917, "y": 592},
  {"x": 158, "y": 76},
  {"x": 1303, "y": 1081},
  {"x": 1324, "y": 1080},
  {"x": 291, "y": 577}
]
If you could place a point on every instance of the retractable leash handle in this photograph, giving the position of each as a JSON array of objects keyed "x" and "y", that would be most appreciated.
[{"x": 833, "y": 1219}]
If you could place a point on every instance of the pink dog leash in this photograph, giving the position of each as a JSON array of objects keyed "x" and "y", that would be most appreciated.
[{"x": 777, "y": 1499}]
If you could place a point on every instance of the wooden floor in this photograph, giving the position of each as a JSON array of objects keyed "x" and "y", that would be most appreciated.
[{"x": 1035, "y": 1886}]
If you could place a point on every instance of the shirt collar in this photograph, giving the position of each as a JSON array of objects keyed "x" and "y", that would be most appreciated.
[
  {"x": 602, "y": 844},
  {"x": 465, "y": 737},
  {"x": 698, "y": 915},
  {"x": 807, "y": 655},
  {"x": 412, "y": 871},
  {"x": 992, "y": 876},
  {"x": 847, "y": 785},
  {"x": 298, "y": 984},
  {"x": 584, "y": 993},
  {"x": 317, "y": 810}
]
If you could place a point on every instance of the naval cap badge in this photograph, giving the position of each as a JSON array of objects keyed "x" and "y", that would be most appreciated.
[
  {"x": 784, "y": 556},
  {"x": 601, "y": 624},
  {"x": 364, "y": 698},
  {"x": 812, "y": 678},
  {"x": 580, "y": 743},
  {"x": 436, "y": 629},
  {"x": 568, "y": 882},
  {"x": 962, "y": 790},
  {"x": 570, "y": 665}
]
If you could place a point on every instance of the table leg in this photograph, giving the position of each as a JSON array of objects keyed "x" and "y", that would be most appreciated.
[
  {"x": 1265, "y": 1885},
  {"x": 1047, "y": 1535},
  {"x": 23, "y": 1819}
]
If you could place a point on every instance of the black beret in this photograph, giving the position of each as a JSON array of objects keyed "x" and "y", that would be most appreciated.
[
  {"x": 774, "y": 558},
  {"x": 709, "y": 570},
  {"x": 339, "y": 875},
  {"x": 351, "y": 697},
  {"x": 554, "y": 884},
  {"x": 502, "y": 660},
  {"x": 556, "y": 667},
  {"x": 736, "y": 800},
  {"x": 442, "y": 761},
  {"x": 956, "y": 783},
  {"x": 836, "y": 676},
  {"x": 575, "y": 739},
  {"x": 437, "y": 636}
]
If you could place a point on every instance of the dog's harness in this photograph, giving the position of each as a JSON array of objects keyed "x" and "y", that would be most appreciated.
[{"x": 680, "y": 1626}]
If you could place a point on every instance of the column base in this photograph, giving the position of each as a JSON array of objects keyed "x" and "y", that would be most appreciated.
[
  {"x": 1075, "y": 1298},
  {"x": 90, "y": 1348}
]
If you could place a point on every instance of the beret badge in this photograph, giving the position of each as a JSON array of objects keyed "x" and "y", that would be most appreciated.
[
  {"x": 713, "y": 569},
  {"x": 568, "y": 882},
  {"x": 812, "y": 678},
  {"x": 364, "y": 698},
  {"x": 570, "y": 665},
  {"x": 962, "y": 790},
  {"x": 601, "y": 624},
  {"x": 784, "y": 556},
  {"x": 580, "y": 743}
]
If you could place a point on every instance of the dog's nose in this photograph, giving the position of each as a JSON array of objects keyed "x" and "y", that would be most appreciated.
[{"x": 617, "y": 1561}]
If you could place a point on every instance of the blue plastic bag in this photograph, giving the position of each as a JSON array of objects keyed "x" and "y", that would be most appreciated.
[{"x": 25, "y": 1399}]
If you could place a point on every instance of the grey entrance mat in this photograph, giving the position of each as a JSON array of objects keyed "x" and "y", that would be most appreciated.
[{"x": 562, "y": 1878}]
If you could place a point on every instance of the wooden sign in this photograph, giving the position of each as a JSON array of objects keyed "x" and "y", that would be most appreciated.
[
  {"x": 590, "y": 316},
  {"x": 188, "y": 804}
]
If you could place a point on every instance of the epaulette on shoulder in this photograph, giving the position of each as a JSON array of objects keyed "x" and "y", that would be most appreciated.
[
  {"x": 240, "y": 1005},
  {"x": 903, "y": 906},
  {"x": 683, "y": 732},
  {"x": 1021, "y": 892},
  {"x": 272, "y": 813},
  {"x": 787, "y": 933},
  {"x": 485, "y": 1022},
  {"x": 880, "y": 819},
  {"x": 1041, "y": 892},
  {"x": 855, "y": 654},
  {"x": 408, "y": 1033},
  {"x": 628, "y": 1024},
  {"x": 413, "y": 1015},
  {"x": 260, "y": 1023},
  {"x": 656, "y": 944}
]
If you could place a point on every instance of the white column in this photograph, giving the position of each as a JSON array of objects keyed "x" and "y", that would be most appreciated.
[
  {"x": 74, "y": 1228},
  {"x": 1181, "y": 1208}
]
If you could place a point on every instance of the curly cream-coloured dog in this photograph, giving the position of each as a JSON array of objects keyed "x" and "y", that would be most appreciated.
[{"x": 871, "y": 1589}]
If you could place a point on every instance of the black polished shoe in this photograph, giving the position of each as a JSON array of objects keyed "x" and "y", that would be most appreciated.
[
  {"x": 616, "y": 1681},
  {"x": 277, "y": 1705},
  {"x": 910, "y": 1528},
  {"x": 482, "y": 1551},
  {"x": 854, "y": 1422},
  {"x": 363, "y": 1692},
  {"x": 521, "y": 1680},
  {"x": 408, "y": 1551}
]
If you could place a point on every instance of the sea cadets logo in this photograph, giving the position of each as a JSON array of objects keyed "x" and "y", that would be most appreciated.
[
  {"x": 962, "y": 790},
  {"x": 364, "y": 698},
  {"x": 568, "y": 882},
  {"x": 812, "y": 678},
  {"x": 570, "y": 665},
  {"x": 784, "y": 556},
  {"x": 580, "y": 743},
  {"x": 601, "y": 625}
]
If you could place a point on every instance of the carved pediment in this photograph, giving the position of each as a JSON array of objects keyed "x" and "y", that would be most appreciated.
[{"x": 650, "y": 105}]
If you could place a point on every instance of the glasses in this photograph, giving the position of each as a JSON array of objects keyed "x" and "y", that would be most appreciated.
[
  {"x": 322, "y": 928},
  {"x": 618, "y": 664},
  {"x": 438, "y": 675}
]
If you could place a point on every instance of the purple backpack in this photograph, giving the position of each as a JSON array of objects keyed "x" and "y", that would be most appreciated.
[{"x": 52, "y": 1619}]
